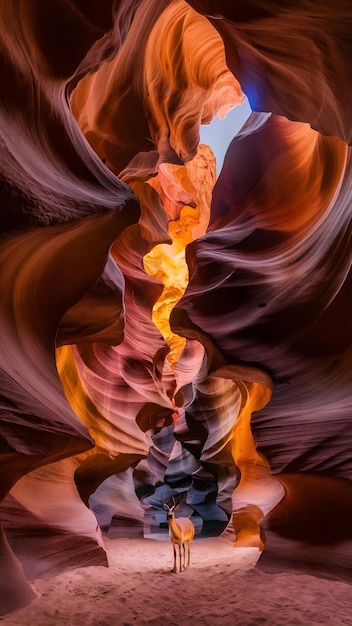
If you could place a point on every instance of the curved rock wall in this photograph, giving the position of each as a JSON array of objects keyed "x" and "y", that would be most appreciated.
[{"x": 99, "y": 165}]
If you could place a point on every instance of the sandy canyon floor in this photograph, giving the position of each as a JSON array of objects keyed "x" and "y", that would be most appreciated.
[{"x": 221, "y": 586}]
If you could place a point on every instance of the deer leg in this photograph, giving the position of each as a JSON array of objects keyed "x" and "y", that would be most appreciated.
[
  {"x": 180, "y": 555},
  {"x": 183, "y": 556},
  {"x": 189, "y": 552},
  {"x": 175, "y": 568}
]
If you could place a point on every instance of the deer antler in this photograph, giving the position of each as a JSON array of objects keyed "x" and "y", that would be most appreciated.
[
  {"x": 174, "y": 506},
  {"x": 163, "y": 504},
  {"x": 178, "y": 501}
]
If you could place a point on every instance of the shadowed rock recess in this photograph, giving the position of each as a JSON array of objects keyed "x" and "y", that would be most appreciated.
[{"x": 165, "y": 332}]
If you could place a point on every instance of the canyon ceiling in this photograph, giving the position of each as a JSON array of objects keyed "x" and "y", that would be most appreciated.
[{"x": 165, "y": 331}]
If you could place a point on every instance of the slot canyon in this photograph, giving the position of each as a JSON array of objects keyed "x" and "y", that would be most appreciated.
[{"x": 170, "y": 328}]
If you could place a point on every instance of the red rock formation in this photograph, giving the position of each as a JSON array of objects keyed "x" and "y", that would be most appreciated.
[
  {"x": 280, "y": 223},
  {"x": 59, "y": 203},
  {"x": 102, "y": 106}
]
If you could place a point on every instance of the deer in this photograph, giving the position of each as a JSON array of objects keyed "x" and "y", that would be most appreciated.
[{"x": 181, "y": 530}]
